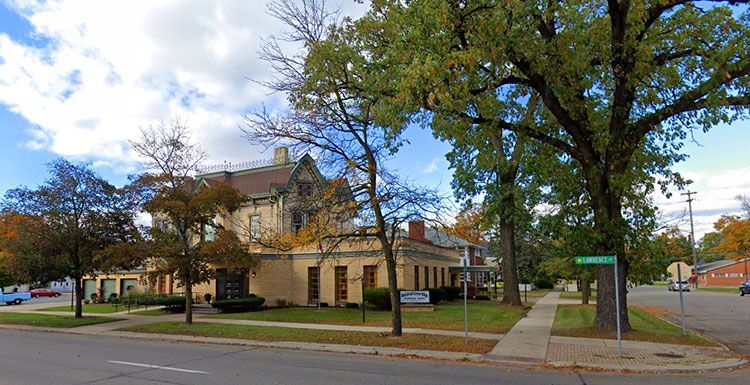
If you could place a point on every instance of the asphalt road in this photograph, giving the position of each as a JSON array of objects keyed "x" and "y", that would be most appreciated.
[
  {"x": 723, "y": 316},
  {"x": 50, "y": 358}
]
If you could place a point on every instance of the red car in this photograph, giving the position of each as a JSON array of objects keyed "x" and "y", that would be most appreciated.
[{"x": 36, "y": 293}]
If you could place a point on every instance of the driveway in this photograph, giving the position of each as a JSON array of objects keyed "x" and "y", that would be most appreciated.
[{"x": 722, "y": 316}]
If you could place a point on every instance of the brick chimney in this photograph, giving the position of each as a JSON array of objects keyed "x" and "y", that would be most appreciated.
[
  {"x": 416, "y": 231},
  {"x": 281, "y": 155}
]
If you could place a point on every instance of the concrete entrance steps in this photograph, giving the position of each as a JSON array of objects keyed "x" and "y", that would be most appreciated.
[
  {"x": 527, "y": 341},
  {"x": 203, "y": 308}
]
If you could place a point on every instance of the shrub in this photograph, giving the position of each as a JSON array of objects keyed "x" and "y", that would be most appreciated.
[
  {"x": 239, "y": 305},
  {"x": 482, "y": 298},
  {"x": 172, "y": 304},
  {"x": 378, "y": 297},
  {"x": 324, "y": 304},
  {"x": 543, "y": 282},
  {"x": 112, "y": 297},
  {"x": 351, "y": 305},
  {"x": 436, "y": 295},
  {"x": 452, "y": 293},
  {"x": 280, "y": 302}
]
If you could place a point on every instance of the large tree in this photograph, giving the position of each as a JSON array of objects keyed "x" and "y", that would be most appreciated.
[
  {"x": 621, "y": 83},
  {"x": 65, "y": 227},
  {"x": 331, "y": 97},
  {"x": 182, "y": 247}
]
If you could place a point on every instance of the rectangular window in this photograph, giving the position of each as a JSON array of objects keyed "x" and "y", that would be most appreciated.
[
  {"x": 342, "y": 285},
  {"x": 209, "y": 232},
  {"x": 161, "y": 225},
  {"x": 255, "y": 227},
  {"x": 733, "y": 275},
  {"x": 426, "y": 277},
  {"x": 305, "y": 189},
  {"x": 442, "y": 276},
  {"x": 416, "y": 277},
  {"x": 312, "y": 285},
  {"x": 299, "y": 221},
  {"x": 434, "y": 277},
  {"x": 371, "y": 276}
]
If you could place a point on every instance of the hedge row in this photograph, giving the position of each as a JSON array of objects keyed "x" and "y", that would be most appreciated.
[{"x": 239, "y": 305}]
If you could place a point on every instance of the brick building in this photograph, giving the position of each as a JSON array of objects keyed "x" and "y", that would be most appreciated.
[
  {"x": 724, "y": 273},
  {"x": 276, "y": 192}
]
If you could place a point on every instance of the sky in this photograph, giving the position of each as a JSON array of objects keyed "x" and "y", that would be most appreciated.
[{"x": 78, "y": 79}]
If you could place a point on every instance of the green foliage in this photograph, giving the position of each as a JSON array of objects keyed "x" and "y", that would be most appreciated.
[
  {"x": 543, "y": 282},
  {"x": 351, "y": 305},
  {"x": 378, "y": 297},
  {"x": 239, "y": 305},
  {"x": 172, "y": 304},
  {"x": 66, "y": 226},
  {"x": 620, "y": 84},
  {"x": 452, "y": 293},
  {"x": 437, "y": 295}
]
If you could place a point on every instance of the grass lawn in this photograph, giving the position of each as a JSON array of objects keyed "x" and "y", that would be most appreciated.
[
  {"x": 577, "y": 321},
  {"x": 264, "y": 333},
  {"x": 51, "y": 321},
  {"x": 577, "y": 294},
  {"x": 661, "y": 283},
  {"x": 484, "y": 316},
  {"x": 99, "y": 308},
  {"x": 720, "y": 289}
]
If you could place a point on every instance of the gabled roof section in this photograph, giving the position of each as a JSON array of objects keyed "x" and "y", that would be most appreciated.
[{"x": 706, "y": 267}]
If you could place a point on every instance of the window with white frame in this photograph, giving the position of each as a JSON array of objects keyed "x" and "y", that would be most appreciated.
[
  {"x": 255, "y": 227},
  {"x": 734, "y": 275},
  {"x": 161, "y": 225}
]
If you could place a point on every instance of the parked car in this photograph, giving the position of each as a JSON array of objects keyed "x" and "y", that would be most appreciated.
[
  {"x": 14, "y": 298},
  {"x": 673, "y": 286},
  {"x": 745, "y": 288},
  {"x": 36, "y": 293}
]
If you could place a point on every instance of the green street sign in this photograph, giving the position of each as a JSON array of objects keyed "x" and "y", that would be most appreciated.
[{"x": 595, "y": 260}]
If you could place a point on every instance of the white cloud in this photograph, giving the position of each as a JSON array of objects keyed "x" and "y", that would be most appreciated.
[
  {"x": 715, "y": 196},
  {"x": 432, "y": 167},
  {"x": 113, "y": 67}
]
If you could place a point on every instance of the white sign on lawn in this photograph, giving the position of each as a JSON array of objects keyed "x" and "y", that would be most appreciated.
[{"x": 415, "y": 296}]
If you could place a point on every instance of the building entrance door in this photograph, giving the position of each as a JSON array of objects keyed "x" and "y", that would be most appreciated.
[{"x": 231, "y": 283}]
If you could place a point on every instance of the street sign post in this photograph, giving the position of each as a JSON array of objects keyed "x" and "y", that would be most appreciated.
[{"x": 606, "y": 260}]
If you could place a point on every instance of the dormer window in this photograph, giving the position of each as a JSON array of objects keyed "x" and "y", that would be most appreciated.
[
  {"x": 305, "y": 189},
  {"x": 161, "y": 225}
]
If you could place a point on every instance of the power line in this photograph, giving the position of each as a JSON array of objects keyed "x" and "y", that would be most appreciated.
[{"x": 692, "y": 234}]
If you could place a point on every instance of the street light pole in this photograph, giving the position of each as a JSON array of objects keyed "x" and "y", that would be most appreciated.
[{"x": 692, "y": 234}]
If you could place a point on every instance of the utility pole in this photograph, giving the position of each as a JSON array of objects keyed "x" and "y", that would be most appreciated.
[{"x": 692, "y": 234}]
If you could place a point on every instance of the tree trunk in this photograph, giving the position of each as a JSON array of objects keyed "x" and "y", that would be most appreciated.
[
  {"x": 585, "y": 291},
  {"x": 610, "y": 228},
  {"x": 511, "y": 294},
  {"x": 188, "y": 303},
  {"x": 390, "y": 264},
  {"x": 79, "y": 297}
]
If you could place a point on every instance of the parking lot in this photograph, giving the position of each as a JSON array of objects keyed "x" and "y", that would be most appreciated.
[
  {"x": 65, "y": 297},
  {"x": 722, "y": 316}
]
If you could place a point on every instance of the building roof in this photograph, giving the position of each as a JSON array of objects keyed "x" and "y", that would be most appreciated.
[
  {"x": 706, "y": 267},
  {"x": 263, "y": 180},
  {"x": 445, "y": 239}
]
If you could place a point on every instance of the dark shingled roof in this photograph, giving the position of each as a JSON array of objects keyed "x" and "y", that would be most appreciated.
[{"x": 256, "y": 181}]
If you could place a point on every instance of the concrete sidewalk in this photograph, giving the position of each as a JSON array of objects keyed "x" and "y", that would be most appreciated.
[{"x": 527, "y": 341}]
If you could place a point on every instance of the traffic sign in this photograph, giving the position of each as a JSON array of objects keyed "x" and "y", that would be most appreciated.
[{"x": 595, "y": 260}]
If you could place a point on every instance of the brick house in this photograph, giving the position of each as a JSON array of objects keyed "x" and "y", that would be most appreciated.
[
  {"x": 276, "y": 191},
  {"x": 724, "y": 273}
]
